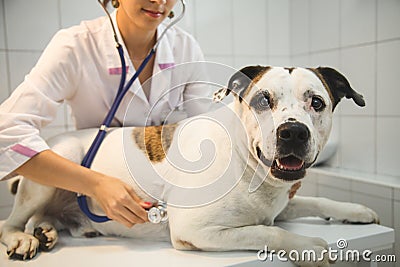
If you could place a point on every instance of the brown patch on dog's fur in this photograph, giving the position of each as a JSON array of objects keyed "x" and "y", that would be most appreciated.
[
  {"x": 154, "y": 140},
  {"x": 186, "y": 245}
]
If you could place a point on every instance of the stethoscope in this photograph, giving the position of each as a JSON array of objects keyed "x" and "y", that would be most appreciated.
[{"x": 157, "y": 213}]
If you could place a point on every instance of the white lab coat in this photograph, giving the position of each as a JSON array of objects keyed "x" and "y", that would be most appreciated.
[{"x": 81, "y": 66}]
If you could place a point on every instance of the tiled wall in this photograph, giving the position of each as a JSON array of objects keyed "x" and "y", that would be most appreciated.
[
  {"x": 25, "y": 29},
  {"x": 238, "y": 33},
  {"x": 362, "y": 39},
  {"x": 359, "y": 37}
]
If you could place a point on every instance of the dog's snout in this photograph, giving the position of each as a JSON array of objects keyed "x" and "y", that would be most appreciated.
[{"x": 293, "y": 132}]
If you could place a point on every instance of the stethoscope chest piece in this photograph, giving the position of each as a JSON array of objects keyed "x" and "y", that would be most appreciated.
[{"x": 158, "y": 214}]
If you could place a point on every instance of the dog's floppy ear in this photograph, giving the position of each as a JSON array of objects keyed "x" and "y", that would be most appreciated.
[
  {"x": 239, "y": 82},
  {"x": 338, "y": 86}
]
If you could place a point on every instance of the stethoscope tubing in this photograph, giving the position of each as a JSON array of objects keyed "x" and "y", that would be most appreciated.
[
  {"x": 90, "y": 155},
  {"x": 122, "y": 90}
]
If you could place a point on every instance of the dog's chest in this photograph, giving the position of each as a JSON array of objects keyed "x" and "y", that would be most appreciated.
[
  {"x": 268, "y": 203},
  {"x": 241, "y": 208}
]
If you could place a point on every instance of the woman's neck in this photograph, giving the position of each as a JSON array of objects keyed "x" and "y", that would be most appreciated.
[{"x": 137, "y": 41}]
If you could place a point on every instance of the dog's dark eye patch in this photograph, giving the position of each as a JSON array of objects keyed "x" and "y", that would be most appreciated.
[
  {"x": 308, "y": 94},
  {"x": 261, "y": 101}
]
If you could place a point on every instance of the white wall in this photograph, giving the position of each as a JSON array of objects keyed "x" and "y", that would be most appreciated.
[
  {"x": 361, "y": 38},
  {"x": 239, "y": 33},
  {"x": 25, "y": 29}
]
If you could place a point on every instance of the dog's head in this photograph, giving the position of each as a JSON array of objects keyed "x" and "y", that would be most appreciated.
[{"x": 287, "y": 113}]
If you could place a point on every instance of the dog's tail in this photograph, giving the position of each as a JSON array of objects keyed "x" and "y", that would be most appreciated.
[{"x": 13, "y": 184}]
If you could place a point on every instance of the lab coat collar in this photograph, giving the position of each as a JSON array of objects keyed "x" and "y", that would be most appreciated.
[
  {"x": 164, "y": 63},
  {"x": 164, "y": 58}
]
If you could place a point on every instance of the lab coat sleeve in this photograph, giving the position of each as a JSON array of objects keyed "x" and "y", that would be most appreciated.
[
  {"x": 34, "y": 103},
  {"x": 197, "y": 96}
]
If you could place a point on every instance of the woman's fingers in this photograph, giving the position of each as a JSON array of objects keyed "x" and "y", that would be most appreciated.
[
  {"x": 133, "y": 209},
  {"x": 138, "y": 206},
  {"x": 122, "y": 220},
  {"x": 120, "y": 202},
  {"x": 145, "y": 205},
  {"x": 127, "y": 212},
  {"x": 127, "y": 218}
]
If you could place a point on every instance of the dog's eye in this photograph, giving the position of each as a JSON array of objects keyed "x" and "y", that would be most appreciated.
[
  {"x": 317, "y": 103},
  {"x": 264, "y": 101},
  {"x": 261, "y": 101}
]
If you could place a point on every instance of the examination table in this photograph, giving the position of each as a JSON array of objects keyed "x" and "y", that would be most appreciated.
[{"x": 121, "y": 252}]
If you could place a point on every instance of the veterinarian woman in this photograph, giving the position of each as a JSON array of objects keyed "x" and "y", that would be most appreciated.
[{"x": 81, "y": 67}]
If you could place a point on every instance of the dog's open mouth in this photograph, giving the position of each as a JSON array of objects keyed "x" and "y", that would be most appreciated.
[
  {"x": 289, "y": 163},
  {"x": 287, "y": 168}
]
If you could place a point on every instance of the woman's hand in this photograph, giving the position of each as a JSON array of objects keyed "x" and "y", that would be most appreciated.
[{"x": 119, "y": 201}]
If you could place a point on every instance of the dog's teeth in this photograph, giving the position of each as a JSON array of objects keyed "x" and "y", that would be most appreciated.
[
  {"x": 285, "y": 168},
  {"x": 280, "y": 166}
]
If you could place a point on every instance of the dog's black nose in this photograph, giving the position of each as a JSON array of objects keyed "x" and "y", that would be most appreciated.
[{"x": 293, "y": 133}]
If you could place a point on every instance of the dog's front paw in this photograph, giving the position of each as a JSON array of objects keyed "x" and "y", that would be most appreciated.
[
  {"x": 347, "y": 212},
  {"x": 47, "y": 237},
  {"x": 21, "y": 246},
  {"x": 357, "y": 213}
]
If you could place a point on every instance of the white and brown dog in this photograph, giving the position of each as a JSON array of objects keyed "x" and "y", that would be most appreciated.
[{"x": 262, "y": 144}]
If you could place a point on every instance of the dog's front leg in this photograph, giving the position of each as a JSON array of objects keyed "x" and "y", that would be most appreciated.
[
  {"x": 327, "y": 208},
  {"x": 31, "y": 199},
  {"x": 253, "y": 237}
]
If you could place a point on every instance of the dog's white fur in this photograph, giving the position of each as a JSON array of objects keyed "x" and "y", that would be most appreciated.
[{"x": 240, "y": 220}]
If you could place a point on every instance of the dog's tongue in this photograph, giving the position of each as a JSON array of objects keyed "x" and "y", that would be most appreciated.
[{"x": 290, "y": 163}]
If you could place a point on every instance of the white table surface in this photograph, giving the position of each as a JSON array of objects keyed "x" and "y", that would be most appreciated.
[{"x": 120, "y": 252}]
